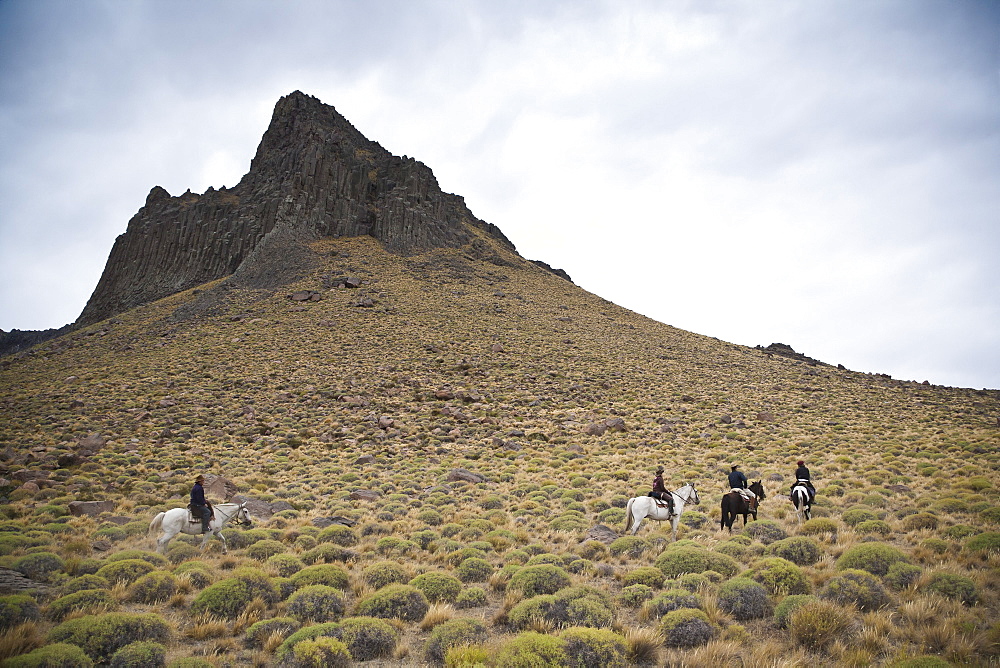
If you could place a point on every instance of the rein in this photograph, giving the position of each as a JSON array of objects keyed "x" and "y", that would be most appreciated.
[{"x": 234, "y": 518}]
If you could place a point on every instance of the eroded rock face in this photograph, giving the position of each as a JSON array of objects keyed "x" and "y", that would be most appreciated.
[{"x": 314, "y": 176}]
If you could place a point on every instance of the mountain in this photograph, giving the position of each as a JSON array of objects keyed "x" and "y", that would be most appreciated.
[{"x": 399, "y": 367}]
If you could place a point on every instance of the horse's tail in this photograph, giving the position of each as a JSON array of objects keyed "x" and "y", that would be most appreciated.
[
  {"x": 628, "y": 515},
  {"x": 156, "y": 523}
]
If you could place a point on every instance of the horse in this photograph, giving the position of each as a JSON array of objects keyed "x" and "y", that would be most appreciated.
[
  {"x": 640, "y": 507},
  {"x": 176, "y": 520},
  {"x": 800, "y": 499},
  {"x": 734, "y": 504}
]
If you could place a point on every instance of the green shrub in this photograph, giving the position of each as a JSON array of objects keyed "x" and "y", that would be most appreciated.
[
  {"x": 541, "y": 579},
  {"x": 670, "y": 600},
  {"x": 328, "y": 553},
  {"x": 686, "y": 627},
  {"x": 452, "y": 633},
  {"x": 647, "y": 575},
  {"x": 920, "y": 521},
  {"x": 526, "y": 612},
  {"x": 766, "y": 531},
  {"x": 153, "y": 588},
  {"x": 16, "y": 609},
  {"x": 744, "y": 599},
  {"x": 326, "y": 630},
  {"x": 228, "y": 598},
  {"x": 676, "y": 561},
  {"x": 925, "y": 661},
  {"x": 473, "y": 597},
  {"x": 818, "y": 525},
  {"x": 987, "y": 543},
  {"x": 316, "y": 603},
  {"x": 955, "y": 587},
  {"x": 874, "y": 557},
  {"x": 424, "y": 538},
  {"x": 816, "y": 624},
  {"x": 532, "y": 650},
  {"x": 86, "y": 600},
  {"x": 474, "y": 569},
  {"x": 384, "y": 573},
  {"x": 695, "y": 582},
  {"x": 873, "y": 527},
  {"x": 857, "y": 587},
  {"x": 395, "y": 601},
  {"x": 571, "y": 606},
  {"x": 960, "y": 531},
  {"x": 324, "y": 574},
  {"x": 321, "y": 652},
  {"x": 338, "y": 534},
  {"x": 635, "y": 595},
  {"x": 783, "y": 611},
  {"x": 61, "y": 655},
  {"x": 856, "y": 516},
  {"x": 901, "y": 575},
  {"x": 284, "y": 565},
  {"x": 800, "y": 550},
  {"x": 586, "y": 647},
  {"x": 430, "y": 517},
  {"x": 264, "y": 549},
  {"x": 179, "y": 552},
  {"x": 393, "y": 545},
  {"x": 152, "y": 558},
  {"x": 259, "y": 632},
  {"x": 125, "y": 571},
  {"x": 780, "y": 576},
  {"x": 632, "y": 546},
  {"x": 100, "y": 636},
  {"x": 935, "y": 545},
  {"x": 39, "y": 565},
  {"x": 140, "y": 654},
  {"x": 437, "y": 587},
  {"x": 368, "y": 638}
]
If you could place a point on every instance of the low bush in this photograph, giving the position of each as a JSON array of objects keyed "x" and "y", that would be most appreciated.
[
  {"x": 39, "y": 565},
  {"x": 780, "y": 576},
  {"x": 670, "y": 600},
  {"x": 284, "y": 653},
  {"x": 676, "y": 561},
  {"x": 384, "y": 573},
  {"x": 766, "y": 531},
  {"x": 647, "y": 575},
  {"x": 180, "y": 552},
  {"x": 316, "y": 603},
  {"x": 284, "y": 565},
  {"x": 338, "y": 534},
  {"x": 953, "y": 586},
  {"x": 152, "y": 558},
  {"x": 901, "y": 575},
  {"x": 874, "y": 557},
  {"x": 140, "y": 654},
  {"x": 473, "y": 597},
  {"x": 541, "y": 579},
  {"x": 816, "y": 624},
  {"x": 856, "y": 587},
  {"x": 321, "y": 652},
  {"x": 395, "y": 601},
  {"x": 88, "y": 581},
  {"x": 800, "y": 550},
  {"x": 464, "y": 631},
  {"x": 265, "y": 549},
  {"x": 87, "y": 600},
  {"x": 125, "y": 571},
  {"x": 532, "y": 650},
  {"x": 56, "y": 655},
  {"x": 744, "y": 599},
  {"x": 571, "y": 606},
  {"x": 985, "y": 543},
  {"x": 153, "y": 588},
  {"x": 686, "y": 627},
  {"x": 919, "y": 521},
  {"x": 16, "y": 609},
  {"x": 587, "y": 647},
  {"x": 100, "y": 636},
  {"x": 474, "y": 569},
  {"x": 324, "y": 574},
  {"x": 259, "y": 632},
  {"x": 368, "y": 638},
  {"x": 783, "y": 611},
  {"x": 873, "y": 527},
  {"x": 328, "y": 553},
  {"x": 960, "y": 531},
  {"x": 437, "y": 587},
  {"x": 228, "y": 598},
  {"x": 632, "y": 546},
  {"x": 856, "y": 516},
  {"x": 635, "y": 595},
  {"x": 817, "y": 526}
]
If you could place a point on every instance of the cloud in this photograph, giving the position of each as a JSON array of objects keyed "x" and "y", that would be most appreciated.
[{"x": 821, "y": 174}]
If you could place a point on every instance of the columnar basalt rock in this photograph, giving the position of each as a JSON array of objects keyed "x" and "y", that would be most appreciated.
[{"x": 314, "y": 175}]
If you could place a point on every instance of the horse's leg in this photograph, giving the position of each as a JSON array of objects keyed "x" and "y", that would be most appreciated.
[
  {"x": 673, "y": 524},
  {"x": 225, "y": 547},
  {"x": 165, "y": 537}
]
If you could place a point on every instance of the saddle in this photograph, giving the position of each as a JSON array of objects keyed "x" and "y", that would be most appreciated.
[{"x": 194, "y": 519}]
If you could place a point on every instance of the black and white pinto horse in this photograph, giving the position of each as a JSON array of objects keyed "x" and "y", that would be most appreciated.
[
  {"x": 178, "y": 520},
  {"x": 734, "y": 504},
  {"x": 640, "y": 507},
  {"x": 800, "y": 499}
]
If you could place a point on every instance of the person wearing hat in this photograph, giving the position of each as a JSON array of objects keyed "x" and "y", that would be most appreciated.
[
  {"x": 738, "y": 483},
  {"x": 802, "y": 476},
  {"x": 660, "y": 490},
  {"x": 200, "y": 507}
]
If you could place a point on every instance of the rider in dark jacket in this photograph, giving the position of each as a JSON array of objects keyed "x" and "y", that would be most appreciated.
[
  {"x": 200, "y": 507},
  {"x": 802, "y": 475},
  {"x": 738, "y": 483},
  {"x": 660, "y": 490}
]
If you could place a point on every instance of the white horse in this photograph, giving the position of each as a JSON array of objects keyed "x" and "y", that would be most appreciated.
[
  {"x": 800, "y": 498},
  {"x": 177, "y": 520},
  {"x": 640, "y": 507}
]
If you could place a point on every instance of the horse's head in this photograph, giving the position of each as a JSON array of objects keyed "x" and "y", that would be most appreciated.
[
  {"x": 243, "y": 515},
  {"x": 758, "y": 489},
  {"x": 694, "y": 495}
]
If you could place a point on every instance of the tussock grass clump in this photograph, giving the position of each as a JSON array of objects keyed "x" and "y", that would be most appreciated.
[
  {"x": 817, "y": 624},
  {"x": 100, "y": 636},
  {"x": 686, "y": 627},
  {"x": 454, "y": 633}
]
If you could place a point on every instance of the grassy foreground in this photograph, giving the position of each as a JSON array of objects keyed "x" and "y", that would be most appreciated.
[{"x": 441, "y": 364}]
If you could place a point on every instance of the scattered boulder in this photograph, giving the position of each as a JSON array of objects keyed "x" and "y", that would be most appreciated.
[
  {"x": 323, "y": 522},
  {"x": 305, "y": 296},
  {"x": 12, "y": 582},
  {"x": 601, "y": 533},
  {"x": 278, "y": 506},
  {"x": 365, "y": 459},
  {"x": 258, "y": 509},
  {"x": 595, "y": 429},
  {"x": 616, "y": 424},
  {"x": 90, "y": 508},
  {"x": 765, "y": 416},
  {"x": 385, "y": 422},
  {"x": 218, "y": 487},
  {"x": 89, "y": 445},
  {"x": 466, "y": 476},
  {"x": 365, "y": 495}
]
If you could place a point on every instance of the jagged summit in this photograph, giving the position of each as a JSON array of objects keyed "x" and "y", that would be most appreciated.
[{"x": 314, "y": 175}]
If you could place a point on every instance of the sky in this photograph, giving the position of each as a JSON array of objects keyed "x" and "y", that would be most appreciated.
[{"x": 823, "y": 174}]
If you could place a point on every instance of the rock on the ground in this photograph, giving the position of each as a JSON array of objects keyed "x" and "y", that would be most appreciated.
[{"x": 90, "y": 508}]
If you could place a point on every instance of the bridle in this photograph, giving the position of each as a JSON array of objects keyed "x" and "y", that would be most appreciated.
[{"x": 241, "y": 516}]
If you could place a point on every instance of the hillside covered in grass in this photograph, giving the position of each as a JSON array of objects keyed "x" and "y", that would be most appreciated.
[{"x": 437, "y": 440}]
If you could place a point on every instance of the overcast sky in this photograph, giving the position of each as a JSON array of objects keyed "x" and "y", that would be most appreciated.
[{"x": 820, "y": 174}]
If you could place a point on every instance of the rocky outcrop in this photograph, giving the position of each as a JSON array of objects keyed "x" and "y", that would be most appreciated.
[{"x": 314, "y": 175}]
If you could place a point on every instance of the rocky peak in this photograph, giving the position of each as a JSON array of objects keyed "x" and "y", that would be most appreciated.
[{"x": 314, "y": 175}]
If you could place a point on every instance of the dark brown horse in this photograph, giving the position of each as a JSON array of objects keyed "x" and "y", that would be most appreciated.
[{"x": 734, "y": 504}]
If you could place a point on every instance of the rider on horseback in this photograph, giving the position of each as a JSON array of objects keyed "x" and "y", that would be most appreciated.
[
  {"x": 802, "y": 478},
  {"x": 738, "y": 484},
  {"x": 199, "y": 507},
  {"x": 660, "y": 491}
]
